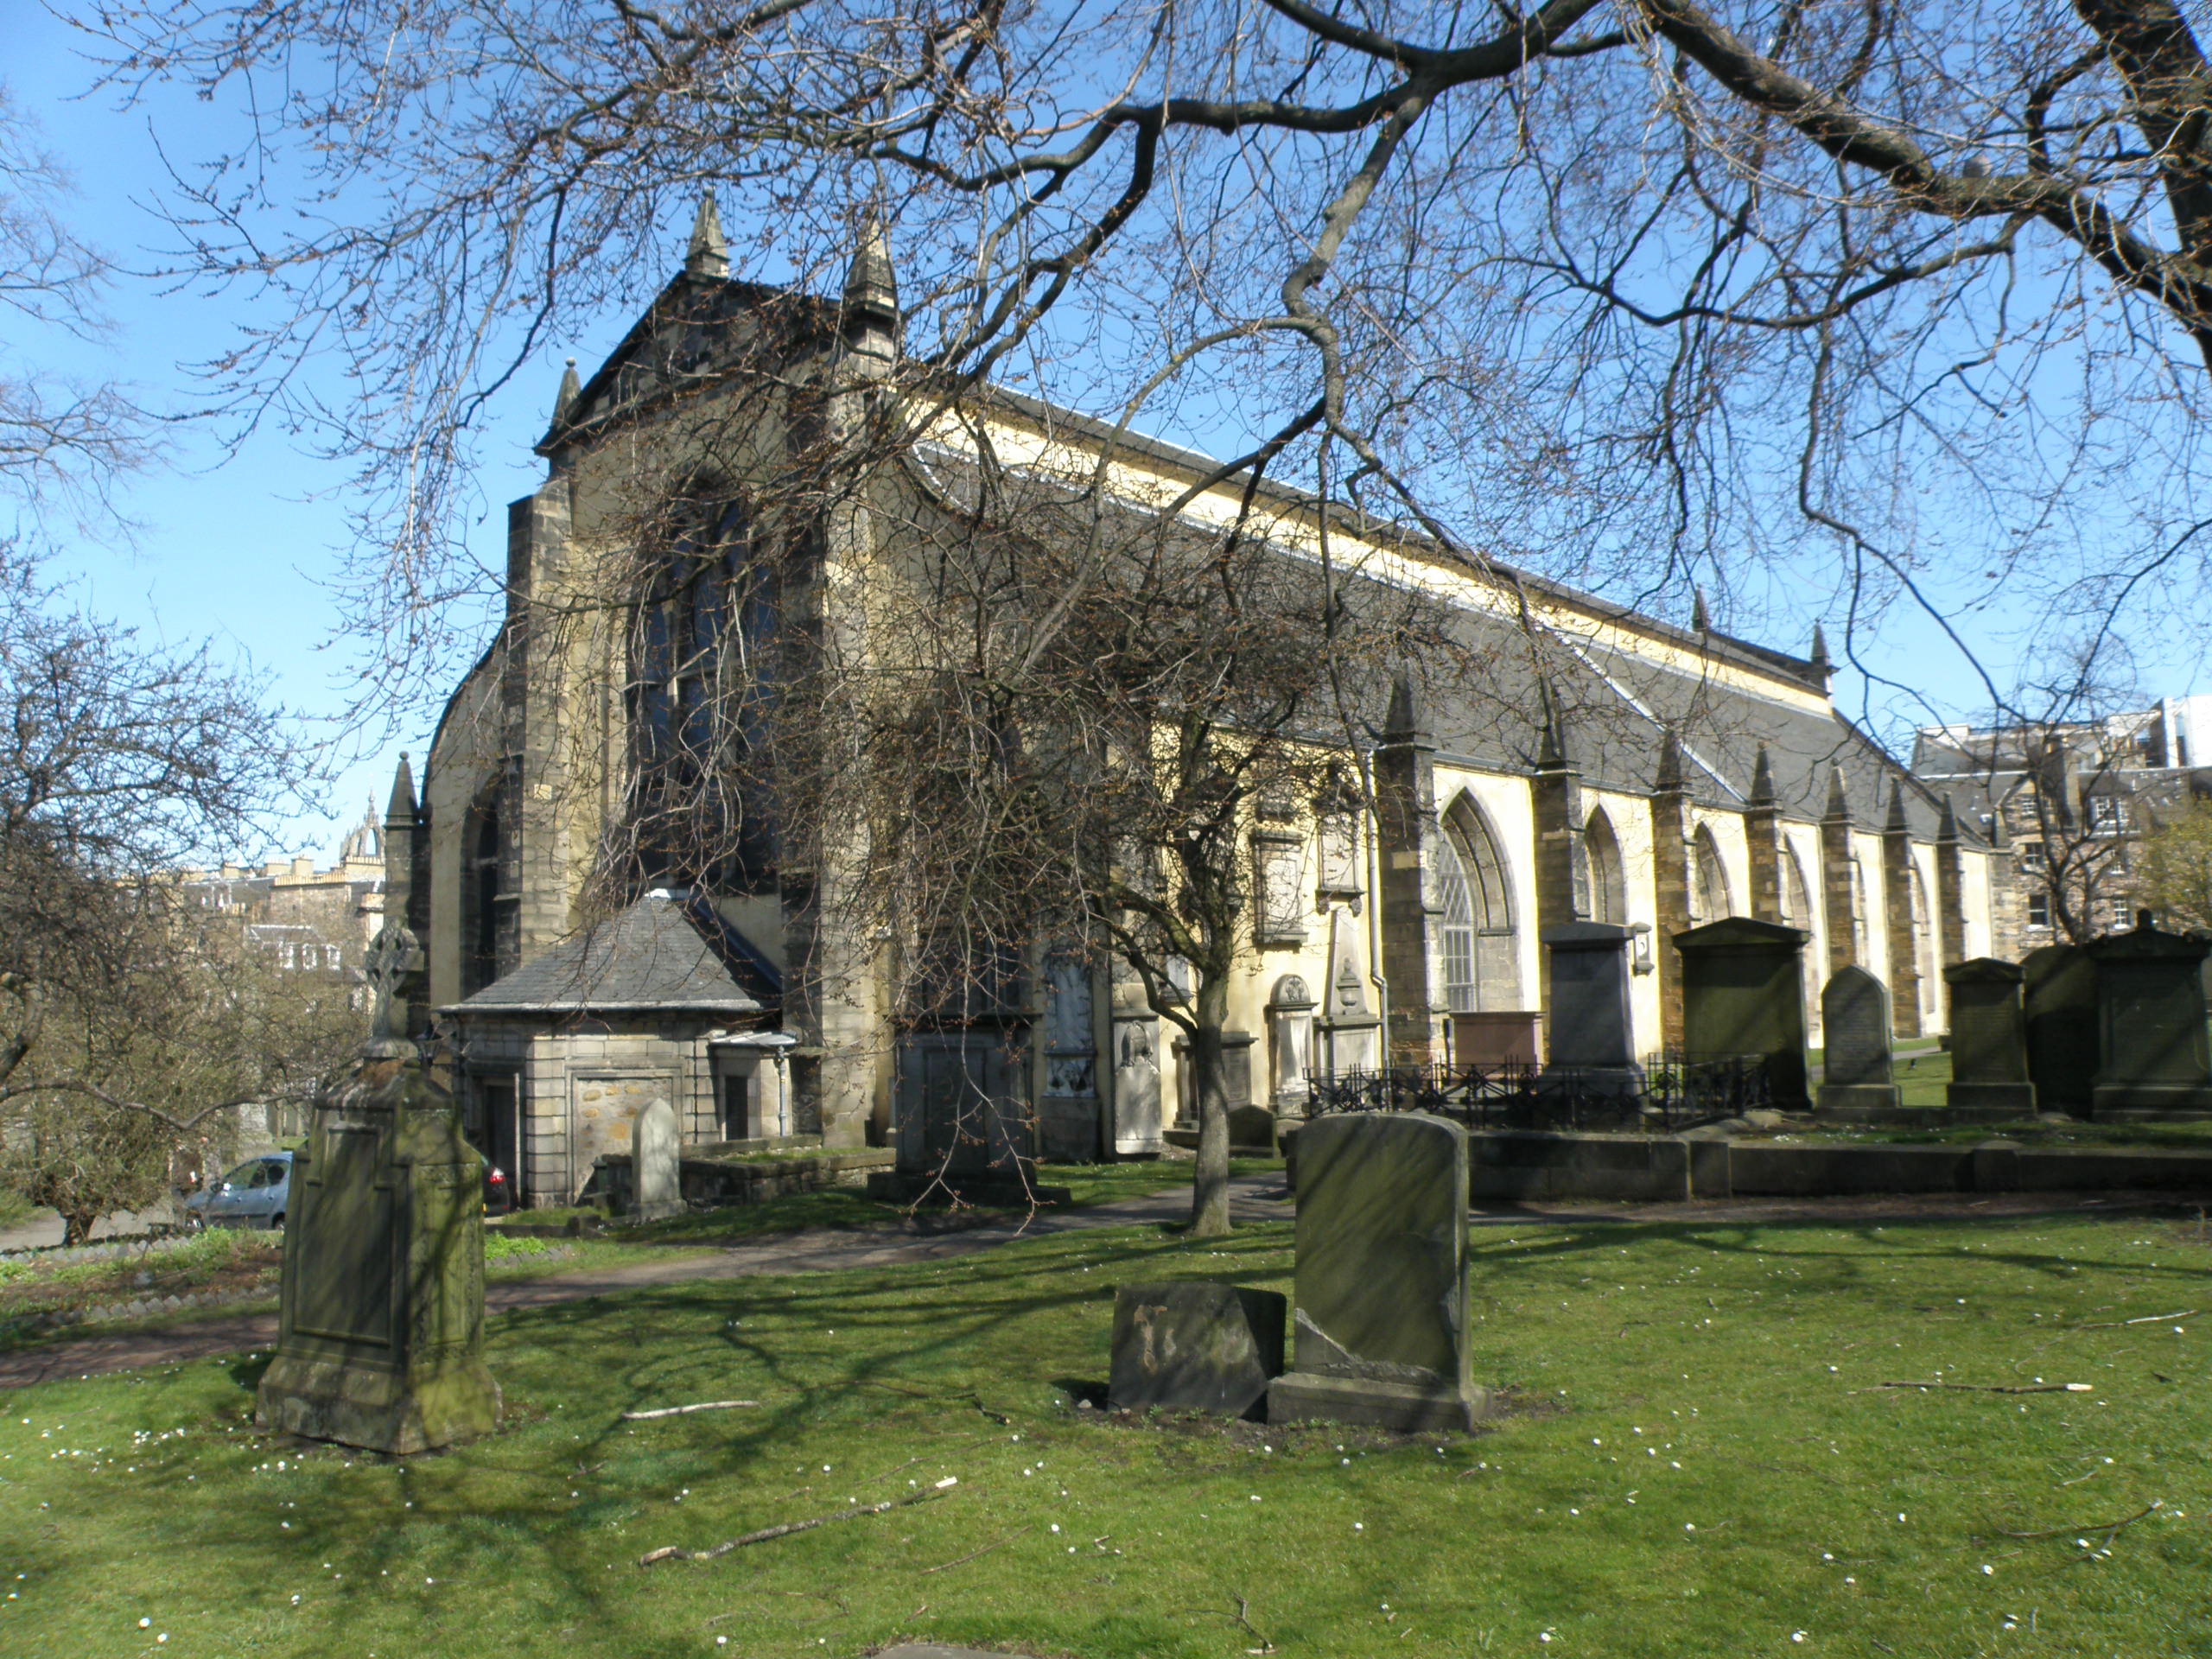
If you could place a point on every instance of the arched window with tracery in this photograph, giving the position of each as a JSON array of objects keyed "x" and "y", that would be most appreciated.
[
  {"x": 1608, "y": 886},
  {"x": 1709, "y": 878},
  {"x": 700, "y": 677},
  {"x": 1481, "y": 953}
]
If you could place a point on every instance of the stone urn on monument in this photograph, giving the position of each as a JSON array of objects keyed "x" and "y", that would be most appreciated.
[{"x": 382, "y": 1337}]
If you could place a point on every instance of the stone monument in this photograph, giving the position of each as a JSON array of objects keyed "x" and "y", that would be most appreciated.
[
  {"x": 381, "y": 1327},
  {"x": 1593, "y": 1042},
  {"x": 1856, "y": 1074},
  {"x": 656, "y": 1168},
  {"x": 1989, "y": 1039},
  {"x": 2059, "y": 988},
  {"x": 2151, "y": 1049},
  {"x": 1744, "y": 996},
  {"x": 1196, "y": 1347},
  {"x": 1381, "y": 1322}
]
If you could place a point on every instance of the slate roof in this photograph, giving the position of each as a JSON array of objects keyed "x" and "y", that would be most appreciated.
[{"x": 662, "y": 955}]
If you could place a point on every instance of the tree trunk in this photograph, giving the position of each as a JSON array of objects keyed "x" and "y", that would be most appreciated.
[
  {"x": 1209, "y": 1180},
  {"x": 77, "y": 1226}
]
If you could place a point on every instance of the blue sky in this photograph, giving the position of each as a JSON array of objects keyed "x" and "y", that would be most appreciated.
[{"x": 239, "y": 549}]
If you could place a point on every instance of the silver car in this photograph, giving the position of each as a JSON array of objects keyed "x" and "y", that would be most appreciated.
[{"x": 252, "y": 1195}]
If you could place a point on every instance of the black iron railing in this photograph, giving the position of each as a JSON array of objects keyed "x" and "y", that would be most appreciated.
[{"x": 1676, "y": 1092}]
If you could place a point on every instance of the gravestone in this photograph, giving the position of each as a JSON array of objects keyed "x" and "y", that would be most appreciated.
[
  {"x": 1856, "y": 1074},
  {"x": 1593, "y": 1038},
  {"x": 657, "y": 1189},
  {"x": 1743, "y": 996},
  {"x": 1381, "y": 1322},
  {"x": 1989, "y": 1037},
  {"x": 2059, "y": 988},
  {"x": 2151, "y": 1049},
  {"x": 1195, "y": 1347},
  {"x": 380, "y": 1336},
  {"x": 1136, "y": 1085}
]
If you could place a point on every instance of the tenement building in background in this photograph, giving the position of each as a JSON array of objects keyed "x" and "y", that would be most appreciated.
[
  {"x": 1651, "y": 775},
  {"x": 2064, "y": 805},
  {"x": 303, "y": 918}
]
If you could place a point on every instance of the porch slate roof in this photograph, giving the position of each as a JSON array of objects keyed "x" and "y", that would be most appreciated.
[{"x": 662, "y": 955}]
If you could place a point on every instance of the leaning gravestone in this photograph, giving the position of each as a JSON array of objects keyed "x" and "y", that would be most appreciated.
[
  {"x": 1744, "y": 996},
  {"x": 381, "y": 1326},
  {"x": 1593, "y": 1041},
  {"x": 2059, "y": 988},
  {"x": 1989, "y": 1039},
  {"x": 1381, "y": 1320},
  {"x": 656, "y": 1169},
  {"x": 1856, "y": 1074},
  {"x": 1195, "y": 1347},
  {"x": 2152, "y": 1054}
]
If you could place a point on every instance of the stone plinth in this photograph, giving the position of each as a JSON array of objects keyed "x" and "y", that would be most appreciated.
[
  {"x": 382, "y": 1325},
  {"x": 1381, "y": 1322},
  {"x": 2151, "y": 1049},
  {"x": 1855, "y": 1074},
  {"x": 1743, "y": 994},
  {"x": 1989, "y": 1037},
  {"x": 1592, "y": 1039},
  {"x": 1196, "y": 1347}
]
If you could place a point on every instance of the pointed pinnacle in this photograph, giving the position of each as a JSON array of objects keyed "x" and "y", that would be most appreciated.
[
  {"x": 402, "y": 807},
  {"x": 1669, "y": 778},
  {"x": 1762, "y": 779},
  {"x": 1947, "y": 827},
  {"x": 707, "y": 255},
  {"x": 1700, "y": 616},
  {"x": 571, "y": 389},
  {"x": 1551, "y": 741},
  {"x": 871, "y": 281},
  {"x": 1819, "y": 658},
  {"x": 1839, "y": 802},
  {"x": 1898, "y": 824}
]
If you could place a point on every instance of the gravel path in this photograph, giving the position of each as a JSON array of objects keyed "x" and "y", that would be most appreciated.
[{"x": 1252, "y": 1198}]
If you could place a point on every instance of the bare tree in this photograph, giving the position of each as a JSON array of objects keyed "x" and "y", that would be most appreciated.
[
  {"x": 63, "y": 440},
  {"x": 126, "y": 1019},
  {"x": 1632, "y": 289}
]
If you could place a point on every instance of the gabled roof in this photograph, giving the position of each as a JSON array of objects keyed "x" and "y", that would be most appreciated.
[{"x": 662, "y": 955}]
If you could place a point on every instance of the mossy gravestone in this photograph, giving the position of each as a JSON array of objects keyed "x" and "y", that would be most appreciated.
[
  {"x": 381, "y": 1323},
  {"x": 1195, "y": 1347},
  {"x": 1744, "y": 996},
  {"x": 1855, "y": 1073},
  {"x": 656, "y": 1166},
  {"x": 1381, "y": 1317},
  {"x": 1592, "y": 1037},
  {"x": 1989, "y": 1037}
]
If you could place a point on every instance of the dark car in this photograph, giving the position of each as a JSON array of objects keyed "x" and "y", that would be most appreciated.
[{"x": 499, "y": 1191}]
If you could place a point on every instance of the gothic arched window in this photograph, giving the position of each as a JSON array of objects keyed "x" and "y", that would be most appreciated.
[
  {"x": 1797, "y": 900},
  {"x": 1481, "y": 954},
  {"x": 1608, "y": 887},
  {"x": 700, "y": 679}
]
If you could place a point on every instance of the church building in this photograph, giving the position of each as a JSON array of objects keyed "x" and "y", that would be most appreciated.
[{"x": 1659, "y": 776}]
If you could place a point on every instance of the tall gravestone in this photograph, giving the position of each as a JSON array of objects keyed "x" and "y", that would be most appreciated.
[
  {"x": 2058, "y": 986},
  {"x": 1743, "y": 996},
  {"x": 1381, "y": 1322},
  {"x": 1593, "y": 1038},
  {"x": 2151, "y": 1049},
  {"x": 381, "y": 1327},
  {"x": 656, "y": 1163},
  {"x": 1989, "y": 1037},
  {"x": 1856, "y": 1074}
]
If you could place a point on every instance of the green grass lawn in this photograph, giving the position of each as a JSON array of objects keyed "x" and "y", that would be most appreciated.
[{"x": 1699, "y": 1461}]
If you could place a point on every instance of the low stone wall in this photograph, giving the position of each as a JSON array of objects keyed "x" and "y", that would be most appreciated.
[
  {"x": 1510, "y": 1163},
  {"x": 710, "y": 1183}
]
